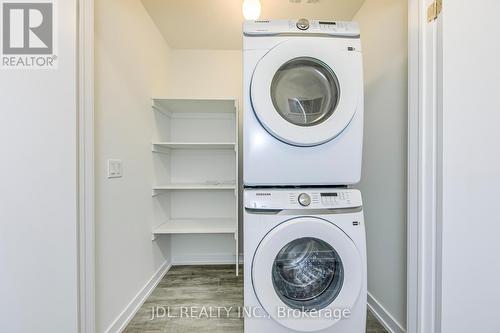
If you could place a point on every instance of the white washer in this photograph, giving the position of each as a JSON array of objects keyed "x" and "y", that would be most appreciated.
[
  {"x": 303, "y": 103},
  {"x": 305, "y": 261}
]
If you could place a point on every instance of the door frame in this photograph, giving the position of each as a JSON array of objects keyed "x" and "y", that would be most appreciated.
[
  {"x": 86, "y": 177},
  {"x": 423, "y": 180},
  {"x": 422, "y": 187}
]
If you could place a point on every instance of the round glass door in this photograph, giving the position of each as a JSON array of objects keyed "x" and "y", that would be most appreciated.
[
  {"x": 307, "y": 274},
  {"x": 306, "y": 264},
  {"x": 305, "y": 91}
]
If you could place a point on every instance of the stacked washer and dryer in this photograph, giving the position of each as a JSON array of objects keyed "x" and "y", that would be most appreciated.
[{"x": 304, "y": 234}]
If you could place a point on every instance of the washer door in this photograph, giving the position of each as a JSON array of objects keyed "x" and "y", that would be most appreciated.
[
  {"x": 303, "y": 266},
  {"x": 304, "y": 92}
]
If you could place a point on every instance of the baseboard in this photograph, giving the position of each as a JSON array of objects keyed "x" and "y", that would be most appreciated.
[
  {"x": 383, "y": 316},
  {"x": 130, "y": 310},
  {"x": 206, "y": 259}
]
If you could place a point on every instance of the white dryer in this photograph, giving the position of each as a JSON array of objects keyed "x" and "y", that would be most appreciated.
[
  {"x": 303, "y": 103},
  {"x": 305, "y": 261}
]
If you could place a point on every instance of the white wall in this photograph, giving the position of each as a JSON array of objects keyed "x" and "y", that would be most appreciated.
[
  {"x": 131, "y": 67},
  {"x": 384, "y": 39},
  {"x": 205, "y": 74},
  {"x": 38, "y": 197},
  {"x": 470, "y": 167}
]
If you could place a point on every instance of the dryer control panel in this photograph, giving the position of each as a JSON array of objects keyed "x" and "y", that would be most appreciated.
[
  {"x": 301, "y": 27},
  {"x": 302, "y": 198}
]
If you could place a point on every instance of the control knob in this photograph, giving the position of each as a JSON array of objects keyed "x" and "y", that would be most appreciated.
[
  {"x": 304, "y": 199},
  {"x": 303, "y": 24}
]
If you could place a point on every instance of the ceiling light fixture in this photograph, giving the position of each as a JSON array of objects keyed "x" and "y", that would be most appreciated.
[{"x": 251, "y": 9}]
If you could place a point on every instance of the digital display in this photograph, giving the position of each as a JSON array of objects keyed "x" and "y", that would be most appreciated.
[
  {"x": 327, "y": 23},
  {"x": 329, "y": 194}
]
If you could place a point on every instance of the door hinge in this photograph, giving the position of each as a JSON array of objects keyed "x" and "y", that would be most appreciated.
[{"x": 434, "y": 10}]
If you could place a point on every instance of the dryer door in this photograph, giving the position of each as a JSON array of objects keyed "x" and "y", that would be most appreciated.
[
  {"x": 305, "y": 272},
  {"x": 304, "y": 92}
]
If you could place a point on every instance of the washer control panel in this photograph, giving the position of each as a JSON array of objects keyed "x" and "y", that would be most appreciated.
[{"x": 301, "y": 198}]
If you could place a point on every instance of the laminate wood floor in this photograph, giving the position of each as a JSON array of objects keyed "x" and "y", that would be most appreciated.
[{"x": 188, "y": 299}]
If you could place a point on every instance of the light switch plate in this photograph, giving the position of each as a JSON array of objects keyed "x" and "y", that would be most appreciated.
[{"x": 115, "y": 168}]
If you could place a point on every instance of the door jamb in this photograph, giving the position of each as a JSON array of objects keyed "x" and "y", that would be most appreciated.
[
  {"x": 423, "y": 203},
  {"x": 413, "y": 158},
  {"x": 86, "y": 224}
]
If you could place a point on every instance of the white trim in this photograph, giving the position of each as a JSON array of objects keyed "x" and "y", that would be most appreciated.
[
  {"x": 86, "y": 228},
  {"x": 423, "y": 179},
  {"x": 383, "y": 316},
  {"x": 206, "y": 259},
  {"x": 121, "y": 322},
  {"x": 413, "y": 162}
]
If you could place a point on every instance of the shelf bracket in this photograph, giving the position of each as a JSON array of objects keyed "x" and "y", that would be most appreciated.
[
  {"x": 159, "y": 150},
  {"x": 164, "y": 112}
]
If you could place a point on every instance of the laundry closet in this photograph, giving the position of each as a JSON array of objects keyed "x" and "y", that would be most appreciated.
[{"x": 169, "y": 111}]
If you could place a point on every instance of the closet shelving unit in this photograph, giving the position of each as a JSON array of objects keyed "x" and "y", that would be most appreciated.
[{"x": 195, "y": 156}]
